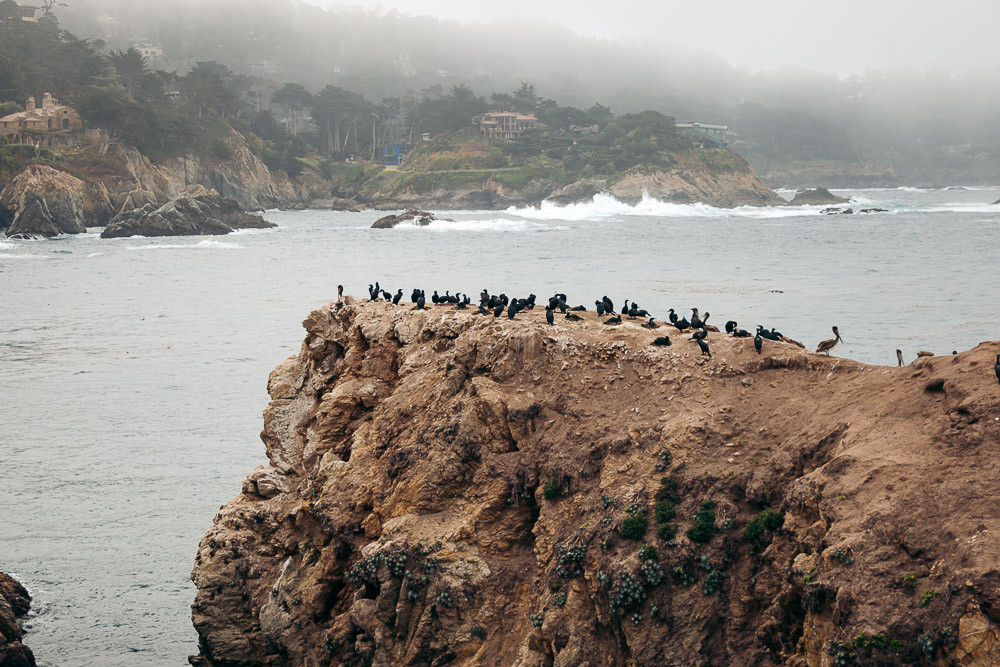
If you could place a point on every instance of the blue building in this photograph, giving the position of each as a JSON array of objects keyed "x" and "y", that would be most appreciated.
[{"x": 393, "y": 155}]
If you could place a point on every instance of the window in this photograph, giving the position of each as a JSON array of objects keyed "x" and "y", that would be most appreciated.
[{"x": 65, "y": 123}]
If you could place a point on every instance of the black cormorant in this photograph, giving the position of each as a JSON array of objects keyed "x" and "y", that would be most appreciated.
[
  {"x": 704, "y": 348},
  {"x": 758, "y": 343},
  {"x": 549, "y": 317}
]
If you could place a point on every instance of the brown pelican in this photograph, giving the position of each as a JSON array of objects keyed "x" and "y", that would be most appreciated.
[
  {"x": 924, "y": 353},
  {"x": 827, "y": 345},
  {"x": 899, "y": 357}
]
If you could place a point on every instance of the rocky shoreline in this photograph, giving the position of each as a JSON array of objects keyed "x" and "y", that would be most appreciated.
[
  {"x": 15, "y": 602},
  {"x": 446, "y": 488}
]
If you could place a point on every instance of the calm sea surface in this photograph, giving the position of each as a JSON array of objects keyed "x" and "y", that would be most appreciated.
[{"x": 133, "y": 371}]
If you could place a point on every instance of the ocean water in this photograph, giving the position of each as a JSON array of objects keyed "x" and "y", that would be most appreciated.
[{"x": 133, "y": 371}]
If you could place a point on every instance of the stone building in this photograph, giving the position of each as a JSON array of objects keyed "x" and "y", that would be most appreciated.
[
  {"x": 506, "y": 124},
  {"x": 36, "y": 124}
]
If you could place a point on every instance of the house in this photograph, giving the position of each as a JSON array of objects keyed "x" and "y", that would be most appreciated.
[
  {"x": 392, "y": 156},
  {"x": 11, "y": 12},
  {"x": 34, "y": 124},
  {"x": 149, "y": 51},
  {"x": 505, "y": 124},
  {"x": 715, "y": 134}
]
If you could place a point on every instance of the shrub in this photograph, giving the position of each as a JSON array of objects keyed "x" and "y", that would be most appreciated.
[
  {"x": 865, "y": 640},
  {"x": 634, "y": 527},
  {"x": 667, "y": 531},
  {"x": 668, "y": 491},
  {"x": 569, "y": 563},
  {"x": 647, "y": 552},
  {"x": 627, "y": 593},
  {"x": 910, "y": 580},
  {"x": 652, "y": 573},
  {"x": 664, "y": 511},
  {"x": 770, "y": 520},
  {"x": 559, "y": 599},
  {"x": 551, "y": 490},
  {"x": 704, "y": 523},
  {"x": 927, "y": 596},
  {"x": 713, "y": 583}
]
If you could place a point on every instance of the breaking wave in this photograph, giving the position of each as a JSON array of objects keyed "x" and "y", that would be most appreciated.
[
  {"x": 207, "y": 243},
  {"x": 487, "y": 225},
  {"x": 604, "y": 206}
]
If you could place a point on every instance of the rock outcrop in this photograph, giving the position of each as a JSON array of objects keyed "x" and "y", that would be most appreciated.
[
  {"x": 816, "y": 197},
  {"x": 726, "y": 189},
  {"x": 43, "y": 202},
  {"x": 418, "y": 218},
  {"x": 580, "y": 191},
  {"x": 452, "y": 489},
  {"x": 198, "y": 212},
  {"x": 14, "y": 603}
]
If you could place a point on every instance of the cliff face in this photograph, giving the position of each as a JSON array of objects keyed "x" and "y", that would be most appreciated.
[
  {"x": 41, "y": 201},
  {"x": 452, "y": 489}
]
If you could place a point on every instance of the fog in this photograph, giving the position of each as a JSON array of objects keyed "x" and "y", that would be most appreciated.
[
  {"x": 888, "y": 90},
  {"x": 850, "y": 36}
]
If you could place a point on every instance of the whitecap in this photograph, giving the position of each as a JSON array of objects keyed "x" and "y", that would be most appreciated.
[
  {"x": 207, "y": 243},
  {"x": 604, "y": 206}
]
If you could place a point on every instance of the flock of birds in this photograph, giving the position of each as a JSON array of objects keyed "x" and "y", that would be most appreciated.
[{"x": 496, "y": 305}]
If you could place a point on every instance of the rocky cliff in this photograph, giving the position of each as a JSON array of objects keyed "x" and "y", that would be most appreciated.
[
  {"x": 15, "y": 602},
  {"x": 446, "y": 488}
]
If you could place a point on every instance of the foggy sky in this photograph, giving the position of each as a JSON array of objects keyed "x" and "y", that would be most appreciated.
[{"x": 844, "y": 37}]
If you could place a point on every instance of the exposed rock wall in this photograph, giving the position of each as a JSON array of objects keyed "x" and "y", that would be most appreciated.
[
  {"x": 14, "y": 603},
  {"x": 41, "y": 202},
  {"x": 452, "y": 489}
]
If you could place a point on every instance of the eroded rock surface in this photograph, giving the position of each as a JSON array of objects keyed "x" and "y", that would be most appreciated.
[
  {"x": 43, "y": 202},
  {"x": 14, "y": 603},
  {"x": 198, "y": 212},
  {"x": 451, "y": 489}
]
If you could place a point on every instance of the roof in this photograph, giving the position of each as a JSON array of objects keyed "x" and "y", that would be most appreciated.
[{"x": 38, "y": 114}]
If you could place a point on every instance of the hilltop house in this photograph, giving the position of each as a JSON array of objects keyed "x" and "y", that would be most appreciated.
[
  {"x": 713, "y": 134},
  {"x": 505, "y": 124},
  {"x": 11, "y": 12},
  {"x": 35, "y": 124}
]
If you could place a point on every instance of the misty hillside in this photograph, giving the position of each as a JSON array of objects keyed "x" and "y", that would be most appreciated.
[{"x": 884, "y": 127}]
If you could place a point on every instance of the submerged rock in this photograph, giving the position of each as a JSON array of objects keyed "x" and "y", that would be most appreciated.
[
  {"x": 451, "y": 489},
  {"x": 816, "y": 197},
  {"x": 199, "y": 212},
  {"x": 15, "y": 602},
  {"x": 414, "y": 217},
  {"x": 833, "y": 210}
]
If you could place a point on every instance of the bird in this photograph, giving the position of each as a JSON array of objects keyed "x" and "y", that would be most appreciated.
[
  {"x": 899, "y": 357},
  {"x": 696, "y": 322},
  {"x": 414, "y": 295},
  {"x": 498, "y": 311},
  {"x": 512, "y": 309},
  {"x": 704, "y": 348},
  {"x": 651, "y": 324},
  {"x": 371, "y": 290},
  {"x": 996, "y": 368},
  {"x": 482, "y": 311},
  {"x": 925, "y": 353},
  {"x": 609, "y": 306},
  {"x": 617, "y": 319},
  {"x": 662, "y": 340},
  {"x": 827, "y": 345},
  {"x": 672, "y": 317},
  {"x": 435, "y": 298},
  {"x": 700, "y": 334},
  {"x": 682, "y": 324},
  {"x": 549, "y": 317},
  {"x": 741, "y": 333},
  {"x": 340, "y": 293},
  {"x": 572, "y": 317},
  {"x": 758, "y": 342},
  {"x": 731, "y": 326},
  {"x": 625, "y": 308},
  {"x": 395, "y": 299},
  {"x": 600, "y": 308},
  {"x": 420, "y": 303}
]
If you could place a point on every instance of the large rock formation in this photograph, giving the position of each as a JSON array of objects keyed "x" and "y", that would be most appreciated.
[
  {"x": 452, "y": 489},
  {"x": 816, "y": 197},
  {"x": 725, "y": 189},
  {"x": 14, "y": 603},
  {"x": 198, "y": 212},
  {"x": 41, "y": 202}
]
